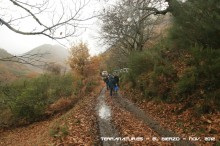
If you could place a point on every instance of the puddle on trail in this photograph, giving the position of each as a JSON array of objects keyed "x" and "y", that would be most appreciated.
[
  {"x": 104, "y": 111},
  {"x": 106, "y": 128}
]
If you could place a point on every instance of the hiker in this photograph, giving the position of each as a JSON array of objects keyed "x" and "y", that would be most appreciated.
[
  {"x": 111, "y": 84},
  {"x": 116, "y": 78},
  {"x": 106, "y": 80},
  {"x": 116, "y": 89}
]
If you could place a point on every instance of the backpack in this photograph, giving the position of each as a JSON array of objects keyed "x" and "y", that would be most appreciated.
[{"x": 116, "y": 88}]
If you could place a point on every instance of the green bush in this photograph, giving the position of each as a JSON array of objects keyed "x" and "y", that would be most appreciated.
[
  {"x": 163, "y": 78},
  {"x": 59, "y": 130},
  {"x": 90, "y": 85},
  {"x": 207, "y": 62},
  {"x": 201, "y": 77},
  {"x": 28, "y": 99},
  {"x": 61, "y": 86},
  {"x": 30, "y": 104},
  {"x": 187, "y": 83},
  {"x": 139, "y": 63},
  {"x": 196, "y": 22}
]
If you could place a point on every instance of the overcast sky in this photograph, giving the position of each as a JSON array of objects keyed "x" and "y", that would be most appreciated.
[{"x": 17, "y": 44}]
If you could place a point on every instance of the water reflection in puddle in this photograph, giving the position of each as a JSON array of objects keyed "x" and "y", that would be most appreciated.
[
  {"x": 104, "y": 112},
  {"x": 106, "y": 128}
]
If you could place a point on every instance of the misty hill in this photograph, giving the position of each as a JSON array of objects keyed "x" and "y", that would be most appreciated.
[
  {"x": 4, "y": 53},
  {"x": 9, "y": 70},
  {"x": 49, "y": 54}
]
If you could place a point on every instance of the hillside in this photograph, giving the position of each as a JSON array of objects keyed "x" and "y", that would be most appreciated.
[
  {"x": 10, "y": 71},
  {"x": 4, "y": 53},
  {"x": 47, "y": 53},
  {"x": 41, "y": 55}
]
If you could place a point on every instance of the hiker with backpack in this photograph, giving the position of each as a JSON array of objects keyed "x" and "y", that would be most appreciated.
[
  {"x": 111, "y": 84},
  {"x": 116, "y": 78},
  {"x": 106, "y": 80}
]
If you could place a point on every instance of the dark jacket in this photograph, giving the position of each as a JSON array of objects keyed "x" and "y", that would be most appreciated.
[
  {"x": 116, "y": 78},
  {"x": 106, "y": 80},
  {"x": 111, "y": 82}
]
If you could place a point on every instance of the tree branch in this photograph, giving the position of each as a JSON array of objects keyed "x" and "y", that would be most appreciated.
[
  {"x": 31, "y": 59},
  {"x": 33, "y": 15},
  {"x": 67, "y": 21}
]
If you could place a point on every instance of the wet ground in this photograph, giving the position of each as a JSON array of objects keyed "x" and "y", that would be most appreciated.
[
  {"x": 148, "y": 120},
  {"x": 108, "y": 132}
]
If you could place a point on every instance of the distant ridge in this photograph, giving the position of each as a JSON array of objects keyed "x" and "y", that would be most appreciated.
[
  {"x": 4, "y": 53},
  {"x": 50, "y": 54},
  {"x": 9, "y": 70}
]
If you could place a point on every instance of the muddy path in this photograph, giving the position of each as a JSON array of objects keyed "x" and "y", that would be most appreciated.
[
  {"x": 148, "y": 120},
  {"x": 106, "y": 128}
]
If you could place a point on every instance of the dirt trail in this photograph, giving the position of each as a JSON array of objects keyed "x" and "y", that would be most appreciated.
[
  {"x": 76, "y": 127},
  {"x": 106, "y": 128},
  {"x": 148, "y": 120},
  {"x": 83, "y": 128}
]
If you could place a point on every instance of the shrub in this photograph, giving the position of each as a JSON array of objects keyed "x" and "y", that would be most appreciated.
[
  {"x": 59, "y": 131},
  {"x": 187, "y": 83},
  {"x": 196, "y": 22},
  {"x": 28, "y": 99},
  {"x": 141, "y": 62},
  {"x": 201, "y": 77},
  {"x": 90, "y": 85},
  {"x": 163, "y": 78},
  {"x": 207, "y": 62}
]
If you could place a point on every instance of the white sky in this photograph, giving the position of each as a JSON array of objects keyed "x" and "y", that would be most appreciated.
[{"x": 17, "y": 44}]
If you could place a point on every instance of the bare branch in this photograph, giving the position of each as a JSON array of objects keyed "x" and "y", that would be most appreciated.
[
  {"x": 38, "y": 6},
  {"x": 31, "y": 59},
  {"x": 69, "y": 22},
  {"x": 126, "y": 24},
  {"x": 33, "y": 15}
]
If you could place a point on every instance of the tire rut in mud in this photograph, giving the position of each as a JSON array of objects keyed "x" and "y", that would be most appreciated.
[
  {"x": 106, "y": 128},
  {"x": 147, "y": 119}
]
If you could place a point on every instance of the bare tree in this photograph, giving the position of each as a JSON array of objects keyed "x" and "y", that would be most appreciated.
[
  {"x": 127, "y": 26},
  {"x": 54, "y": 19},
  {"x": 165, "y": 6}
]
